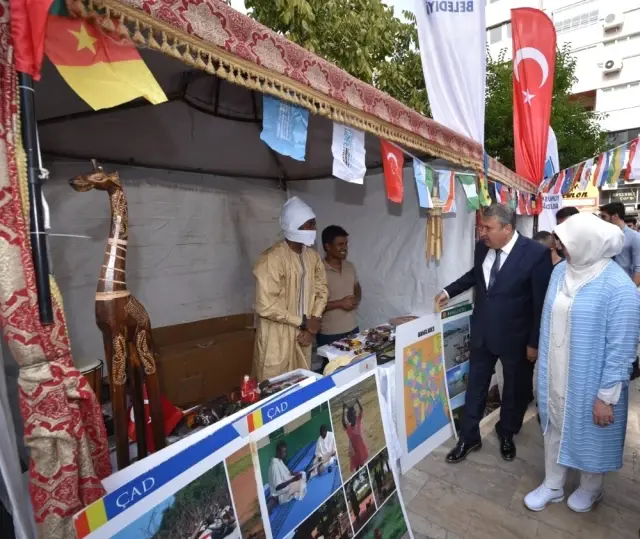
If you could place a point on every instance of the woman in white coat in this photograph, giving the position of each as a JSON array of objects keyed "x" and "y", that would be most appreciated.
[{"x": 588, "y": 338}]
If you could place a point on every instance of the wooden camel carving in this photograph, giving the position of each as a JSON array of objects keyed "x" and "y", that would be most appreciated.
[{"x": 125, "y": 327}]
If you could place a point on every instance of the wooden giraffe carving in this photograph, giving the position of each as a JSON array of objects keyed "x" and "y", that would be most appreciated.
[{"x": 125, "y": 327}]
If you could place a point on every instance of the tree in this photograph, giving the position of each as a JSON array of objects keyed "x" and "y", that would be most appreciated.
[
  {"x": 357, "y": 35},
  {"x": 364, "y": 38}
]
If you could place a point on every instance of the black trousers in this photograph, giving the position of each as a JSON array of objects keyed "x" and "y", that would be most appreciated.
[{"x": 518, "y": 377}]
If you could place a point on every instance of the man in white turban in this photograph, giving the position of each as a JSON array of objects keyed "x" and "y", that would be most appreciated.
[{"x": 291, "y": 295}]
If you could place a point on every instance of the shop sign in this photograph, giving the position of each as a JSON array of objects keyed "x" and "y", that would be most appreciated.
[
  {"x": 583, "y": 199},
  {"x": 626, "y": 196}
]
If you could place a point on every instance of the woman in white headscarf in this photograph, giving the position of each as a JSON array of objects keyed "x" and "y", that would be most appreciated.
[{"x": 588, "y": 339}]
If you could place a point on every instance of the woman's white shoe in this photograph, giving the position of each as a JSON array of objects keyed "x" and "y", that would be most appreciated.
[
  {"x": 583, "y": 501},
  {"x": 539, "y": 498}
]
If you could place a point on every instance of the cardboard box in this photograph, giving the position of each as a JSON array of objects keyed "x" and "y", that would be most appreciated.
[{"x": 201, "y": 360}]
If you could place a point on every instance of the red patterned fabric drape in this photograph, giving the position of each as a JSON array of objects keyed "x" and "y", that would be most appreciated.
[{"x": 63, "y": 423}]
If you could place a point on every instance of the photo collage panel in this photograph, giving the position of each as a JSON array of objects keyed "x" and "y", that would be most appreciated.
[
  {"x": 327, "y": 473},
  {"x": 324, "y": 473}
]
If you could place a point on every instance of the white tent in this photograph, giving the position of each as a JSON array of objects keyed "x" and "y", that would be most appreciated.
[{"x": 205, "y": 192}]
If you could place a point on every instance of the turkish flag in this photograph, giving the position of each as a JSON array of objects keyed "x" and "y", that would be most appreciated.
[
  {"x": 170, "y": 415},
  {"x": 534, "y": 61},
  {"x": 392, "y": 163}
]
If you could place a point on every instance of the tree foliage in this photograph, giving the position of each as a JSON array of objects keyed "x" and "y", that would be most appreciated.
[
  {"x": 366, "y": 39},
  {"x": 200, "y": 499}
]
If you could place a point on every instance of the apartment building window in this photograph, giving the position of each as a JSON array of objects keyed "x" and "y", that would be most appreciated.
[
  {"x": 618, "y": 138},
  {"x": 499, "y": 33},
  {"x": 621, "y": 39},
  {"x": 578, "y": 21}
]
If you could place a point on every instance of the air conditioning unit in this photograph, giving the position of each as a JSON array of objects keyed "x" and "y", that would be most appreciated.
[
  {"x": 612, "y": 65},
  {"x": 613, "y": 20}
]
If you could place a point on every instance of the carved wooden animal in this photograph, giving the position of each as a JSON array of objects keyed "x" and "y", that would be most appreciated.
[{"x": 125, "y": 327}]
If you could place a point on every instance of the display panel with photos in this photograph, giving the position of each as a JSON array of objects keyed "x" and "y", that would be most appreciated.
[{"x": 319, "y": 470}]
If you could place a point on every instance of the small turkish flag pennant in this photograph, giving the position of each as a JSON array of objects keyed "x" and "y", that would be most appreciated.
[
  {"x": 170, "y": 414},
  {"x": 392, "y": 163}
]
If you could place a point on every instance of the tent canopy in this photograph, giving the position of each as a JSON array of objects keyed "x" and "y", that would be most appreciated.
[
  {"x": 209, "y": 125},
  {"x": 214, "y": 63}
]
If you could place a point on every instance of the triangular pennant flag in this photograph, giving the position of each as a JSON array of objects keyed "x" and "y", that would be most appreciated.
[
  {"x": 501, "y": 193},
  {"x": 585, "y": 177},
  {"x": 447, "y": 190},
  {"x": 423, "y": 176},
  {"x": 633, "y": 166},
  {"x": 577, "y": 175},
  {"x": 557, "y": 188},
  {"x": 615, "y": 166},
  {"x": 284, "y": 127},
  {"x": 604, "y": 174},
  {"x": 468, "y": 182},
  {"x": 392, "y": 163},
  {"x": 483, "y": 191},
  {"x": 347, "y": 148},
  {"x": 568, "y": 180},
  {"x": 521, "y": 208}
]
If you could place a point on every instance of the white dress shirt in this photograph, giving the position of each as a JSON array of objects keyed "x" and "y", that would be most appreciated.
[{"x": 491, "y": 257}]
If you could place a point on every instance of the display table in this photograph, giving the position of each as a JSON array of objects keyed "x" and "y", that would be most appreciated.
[{"x": 368, "y": 340}]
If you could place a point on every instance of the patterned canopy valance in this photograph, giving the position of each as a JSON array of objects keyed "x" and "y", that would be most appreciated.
[{"x": 212, "y": 36}]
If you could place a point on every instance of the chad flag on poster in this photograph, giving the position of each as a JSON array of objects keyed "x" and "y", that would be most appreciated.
[{"x": 104, "y": 70}]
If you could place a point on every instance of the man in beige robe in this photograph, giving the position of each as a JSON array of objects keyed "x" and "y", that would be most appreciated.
[{"x": 291, "y": 295}]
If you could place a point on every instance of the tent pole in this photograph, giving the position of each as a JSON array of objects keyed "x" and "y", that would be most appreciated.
[{"x": 36, "y": 213}]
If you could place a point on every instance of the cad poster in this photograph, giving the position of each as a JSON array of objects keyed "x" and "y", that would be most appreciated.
[
  {"x": 311, "y": 463},
  {"x": 424, "y": 419},
  {"x": 456, "y": 333}
]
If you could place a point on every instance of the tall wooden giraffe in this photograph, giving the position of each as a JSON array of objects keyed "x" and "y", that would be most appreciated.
[{"x": 125, "y": 327}]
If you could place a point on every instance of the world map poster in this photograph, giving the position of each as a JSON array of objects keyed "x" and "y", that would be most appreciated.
[{"x": 424, "y": 419}]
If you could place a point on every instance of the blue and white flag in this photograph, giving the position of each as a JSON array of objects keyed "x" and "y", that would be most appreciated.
[
  {"x": 349, "y": 154},
  {"x": 424, "y": 183},
  {"x": 284, "y": 127},
  {"x": 552, "y": 163},
  {"x": 453, "y": 41}
]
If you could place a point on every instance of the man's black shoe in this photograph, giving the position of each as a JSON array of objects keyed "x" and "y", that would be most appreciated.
[
  {"x": 461, "y": 450},
  {"x": 507, "y": 448}
]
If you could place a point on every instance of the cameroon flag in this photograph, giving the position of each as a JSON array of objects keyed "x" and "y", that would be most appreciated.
[{"x": 104, "y": 70}]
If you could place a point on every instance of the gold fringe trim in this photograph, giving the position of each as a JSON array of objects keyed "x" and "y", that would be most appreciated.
[{"x": 143, "y": 29}]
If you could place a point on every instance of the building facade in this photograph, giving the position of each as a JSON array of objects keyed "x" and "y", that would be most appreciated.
[{"x": 604, "y": 36}]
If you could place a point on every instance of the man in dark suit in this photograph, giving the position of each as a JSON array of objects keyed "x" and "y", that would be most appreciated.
[{"x": 510, "y": 274}]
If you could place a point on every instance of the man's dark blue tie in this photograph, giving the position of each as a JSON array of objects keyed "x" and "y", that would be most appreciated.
[{"x": 493, "y": 274}]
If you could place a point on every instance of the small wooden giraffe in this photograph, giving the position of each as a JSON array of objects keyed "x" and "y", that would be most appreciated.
[{"x": 125, "y": 327}]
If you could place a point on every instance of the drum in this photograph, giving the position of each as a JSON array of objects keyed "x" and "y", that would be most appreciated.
[{"x": 92, "y": 371}]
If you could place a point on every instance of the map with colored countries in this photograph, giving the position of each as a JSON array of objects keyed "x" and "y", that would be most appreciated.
[{"x": 426, "y": 409}]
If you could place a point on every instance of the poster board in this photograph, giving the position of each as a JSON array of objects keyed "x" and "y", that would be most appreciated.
[
  {"x": 231, "y": 483},
  {"x": 424, "y": 419},
  {"x": 456, "y": 337}
]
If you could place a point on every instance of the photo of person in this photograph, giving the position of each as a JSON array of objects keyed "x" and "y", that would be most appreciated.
[
  {"x": 201, "y": 510},
  {"x": 360, "y": 499},
  {"x": 381, "y": 477},
  {"x": 387, "y": 523},
  {"x": 299, "y": 469},
  {"x": 456, "y": 339},
  {"x": 330, "y": 521},
  {"x": 242, "y": 481},
  {"x": 358, "y": 426}
]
